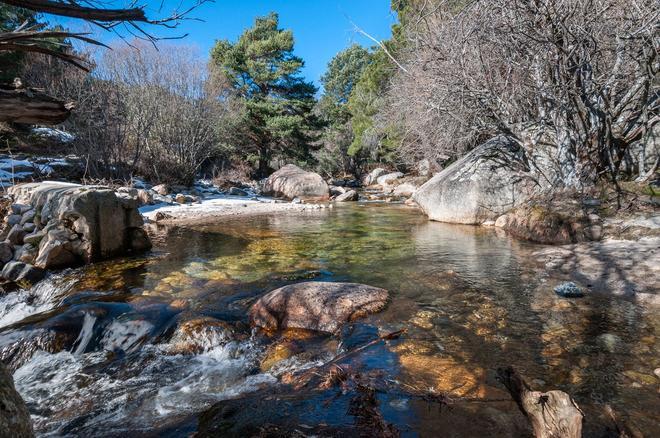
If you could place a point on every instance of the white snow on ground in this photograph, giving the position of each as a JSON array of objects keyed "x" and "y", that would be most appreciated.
[
  {"x": 14, "y": 171},
  {"x": 214, "y": 207},
  {"x": 55, "y": 134}
]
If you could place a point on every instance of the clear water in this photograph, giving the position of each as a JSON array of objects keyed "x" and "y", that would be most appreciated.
[{"x": 471, "y": 299}]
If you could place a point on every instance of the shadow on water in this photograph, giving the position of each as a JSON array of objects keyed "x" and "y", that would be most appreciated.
[{"x": 469, "y": 298}]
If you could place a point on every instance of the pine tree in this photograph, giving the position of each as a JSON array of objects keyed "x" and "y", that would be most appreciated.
[{"x": 278, "y": 120}]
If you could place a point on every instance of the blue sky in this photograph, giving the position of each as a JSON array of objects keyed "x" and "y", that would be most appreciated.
[{"x": 321, "y": 27}]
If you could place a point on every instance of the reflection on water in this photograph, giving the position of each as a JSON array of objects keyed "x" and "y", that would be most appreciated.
[{"x": 141, "y": 343}]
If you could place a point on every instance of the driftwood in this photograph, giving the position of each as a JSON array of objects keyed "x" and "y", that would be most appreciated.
[
  {"x": 553, "y": 414},
  {"x": 31, "y": 106}
]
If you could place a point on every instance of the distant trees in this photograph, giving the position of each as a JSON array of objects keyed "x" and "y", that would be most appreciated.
[
  {"x": 277, "y": 117},
  {"x": 344, "y": 71},
  {"x": 139, "y": 115}
]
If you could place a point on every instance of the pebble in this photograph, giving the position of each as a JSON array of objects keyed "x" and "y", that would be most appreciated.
[{"x": 569, "y": 290}]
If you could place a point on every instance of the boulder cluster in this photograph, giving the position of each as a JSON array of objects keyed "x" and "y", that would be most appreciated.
[{"x": 55, "y": 225}]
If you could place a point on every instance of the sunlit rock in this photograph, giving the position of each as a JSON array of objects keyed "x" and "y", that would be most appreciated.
[
  {"x": 478, "y": 187},
  {"x": 320, "y": 306},
  {"x": 292, "y": 182}
]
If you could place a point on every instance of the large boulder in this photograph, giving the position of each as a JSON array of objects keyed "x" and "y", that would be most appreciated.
[
  {"x": 81, "y": 224},
  {"x": 480, "y": 186},
  {"x": 293, "y": 182},
  {"x": 319, "y": 306},
  {"x": 14, "y": 415}
]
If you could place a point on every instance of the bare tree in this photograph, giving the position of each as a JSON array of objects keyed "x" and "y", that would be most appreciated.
[
  {"x": 55, "y": 43},
  {"x": 577, "y": 77}
]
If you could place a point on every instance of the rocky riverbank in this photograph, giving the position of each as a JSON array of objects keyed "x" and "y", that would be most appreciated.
[{"x": 56, "y": 225}]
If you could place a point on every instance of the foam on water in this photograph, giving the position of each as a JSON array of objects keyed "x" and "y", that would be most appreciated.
[
  {"x": 44, "y": 296},
  {"x": 150, "y": 386}
]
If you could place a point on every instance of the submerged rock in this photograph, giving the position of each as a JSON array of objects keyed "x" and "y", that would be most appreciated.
[
  {"x": 14, "y": 416},
  {"x": 194, "y": 336},
  {"x": 569, "y": 290},
  {"x": 319, "y": 306},
  {"x": 292, "y": 182}
]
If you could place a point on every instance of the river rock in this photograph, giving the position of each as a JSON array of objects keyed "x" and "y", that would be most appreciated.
[
  {"x": 337, "y": 190},
  {"x": 549, "y": 224},
  {"x": 292, "y": 182},
  {"x": 351, "y": 195},
  {"x": 34, "y": 238},
  {"x": 14, "y": 415},
  {"x": 58, "y": 250},
  {"x": 373, "y": 176},
  {"x": 194, "y": 336},
  {"x": 6, "y": 252},
  {"x": 28, "y": 216},
  {"x": 161, "y": 189},
  {"x": 16, "y": 234},
  {"x": 145, "y": 197},
  {"x": 388, "y": 178},
  {"x": 13, "y": 219},
  {"x": 26, "y": 253},
  {"x": 405, "y": 189},
  {"x": 19, "y": 271},
  {"x": 12, "y": 270},
  {"x": 18, "y": 208},
  {"x": 130, "y": 191},
  {"x": 319, "y": 306},
  {"x": 235, "y": 191},
  {"x": 569, "y": 290},
  {"x": 480, "y": 186}
]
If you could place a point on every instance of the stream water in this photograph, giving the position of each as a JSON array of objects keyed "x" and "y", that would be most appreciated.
[{"x": 144, "y": 345}]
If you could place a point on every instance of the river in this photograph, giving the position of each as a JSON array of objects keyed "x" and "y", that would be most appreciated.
[{"x": 96, "y": 352}]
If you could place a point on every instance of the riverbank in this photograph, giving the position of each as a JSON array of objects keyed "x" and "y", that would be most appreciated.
[{"x": 210, "y": 210}]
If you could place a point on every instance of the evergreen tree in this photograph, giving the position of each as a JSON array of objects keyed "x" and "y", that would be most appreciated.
[
  {"x": 11, "y": 18},
  {"x": 278, "y": 120},
  {"x": 343, "y": 73}
]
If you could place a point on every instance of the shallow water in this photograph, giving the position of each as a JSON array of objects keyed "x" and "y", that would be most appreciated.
[{"x": 95, "y": 350}]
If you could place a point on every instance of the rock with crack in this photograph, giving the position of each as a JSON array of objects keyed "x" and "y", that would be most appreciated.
[
  {"x": 319, "y": 306},
  {"x": 482, "y": 185},
  {"x": 76, "y": 224}
]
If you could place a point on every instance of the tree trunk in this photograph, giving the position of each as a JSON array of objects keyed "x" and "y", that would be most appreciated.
[
  {"x": 553, "y": 414},
  {"x": 31, "y": 106}
]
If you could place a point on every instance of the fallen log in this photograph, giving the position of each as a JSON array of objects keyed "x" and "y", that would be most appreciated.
[
  {"x": 553, "y": 414},
  {"x": 31, "y": 106}
]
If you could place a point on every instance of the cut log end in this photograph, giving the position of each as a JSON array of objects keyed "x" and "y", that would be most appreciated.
[
  {"x": 31, "y": 106},
  {"x": 553, "y": 414}
]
